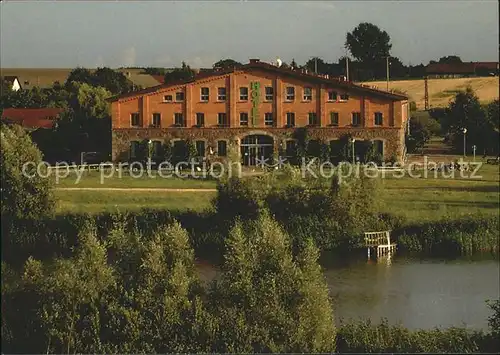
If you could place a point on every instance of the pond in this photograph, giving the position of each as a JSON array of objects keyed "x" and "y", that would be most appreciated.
[{"x": 416, "y": 293}]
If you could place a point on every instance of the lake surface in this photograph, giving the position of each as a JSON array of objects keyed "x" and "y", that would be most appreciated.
[{"x": 415, "y": 293}]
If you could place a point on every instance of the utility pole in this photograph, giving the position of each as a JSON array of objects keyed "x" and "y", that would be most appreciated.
[
  {"x": 347, "y": 67},
  {"x": 387, "y": 68},
  {"x": 316, "y": 65},
  {"x": 426, "y": 94}
]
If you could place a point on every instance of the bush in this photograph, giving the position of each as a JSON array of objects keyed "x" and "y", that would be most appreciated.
[
  {"x": 23, "y": 196},
  {"x": 267, "y": 300},
  {"x": 365, "y": 337}
]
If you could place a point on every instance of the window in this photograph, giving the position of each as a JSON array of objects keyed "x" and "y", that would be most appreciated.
[
  {"x": 179, "y": 96},
  {"x": 356, "y": 118},
  {"x": 167, "y": 98},
  {"x": 290, "y": 119},
  {"x": 156, "y": 119},
  {"x": 308, "y": 94},
  {"x": 134, "y": 119},
  {"x": 205, "y": 93},
  {"x": 221, "y": 148},
  {"x": 179, "y": 119},
  {"x": 200, "y": 119},
  {"x": 290, "y": 93},
  {"x": 243, "y": 94},
  {"x": 221, "y": 94},
  {"x": 334, "y": 118},
  {"x": 379, "y": 147},
  {"x": 269, "y": 93},
  {"x": 156, "y": 149},
  {"x": 332, "y": 96},
  {"x": 134, "y": 149},
  {"x": 291, "y": 148},
  {"x": 268, "y": 119},
  {"x": 243, "y": 119},
  {"x": 344, "y": 97},
  {"x": 313, "y": 119},
  {"x": 200, "y": 148},
  {"x": 378, "y": 119},
  {"x": 222, "y": 119}
]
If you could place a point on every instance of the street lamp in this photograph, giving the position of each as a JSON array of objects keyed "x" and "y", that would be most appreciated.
[
  {"x": 464, "y": 130},
  {"x": 149, "y": 148},
  {"x": 352, "y": 140}
]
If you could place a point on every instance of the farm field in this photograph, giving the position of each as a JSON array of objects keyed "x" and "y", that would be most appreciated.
[
  {"x": 416, "y": 199},
  {"x": 441, "y": 91}
]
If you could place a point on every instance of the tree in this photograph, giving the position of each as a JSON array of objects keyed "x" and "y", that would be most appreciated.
[
  {"x": 80, "y": 75},
  {"x": 268, "y": 301},
  {"x": 368, "y": 43},
  {"x": 114, "y": 81},
  {"x": 226, "y": 64},
  {"x": 451, "y": 59},
  {"x": 180, "y": 74},
  {"x": 465, "y": 111},
  {"x": 25, "y": 194},
  {"x": 419, "y": 135}
]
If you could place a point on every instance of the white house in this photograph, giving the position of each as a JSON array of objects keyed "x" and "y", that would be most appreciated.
[{"x": 13, "y": 82}]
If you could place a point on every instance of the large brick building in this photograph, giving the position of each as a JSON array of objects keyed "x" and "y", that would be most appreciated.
[{"x": 255, "y": 109}]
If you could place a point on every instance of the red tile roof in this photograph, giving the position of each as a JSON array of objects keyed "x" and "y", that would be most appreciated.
[
  {"x": 32, "y": 117},
  {"x": 159, "y": 78},
  {"x": 445, "y": 68},
  {"x": 347, "y": 85},
  {"x": 459, "y": 68}
]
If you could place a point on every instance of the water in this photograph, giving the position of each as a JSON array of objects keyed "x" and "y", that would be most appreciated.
[
  {"x": 411, "y": 292},
  {"x": 415, "y": 293}
]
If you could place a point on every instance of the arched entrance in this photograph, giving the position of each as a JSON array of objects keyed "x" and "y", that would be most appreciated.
[{"x": 256, "y": 146}]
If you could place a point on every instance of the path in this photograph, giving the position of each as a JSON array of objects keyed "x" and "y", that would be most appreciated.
[{"x": 138, "y": 189}]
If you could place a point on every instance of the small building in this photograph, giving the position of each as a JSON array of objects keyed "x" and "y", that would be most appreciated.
[
  {"x": 31, "y": 118},
  {"x": 461, "y": 70},
  {"x": 256, "y": 109},
  {"x": 12, "y": 82}
]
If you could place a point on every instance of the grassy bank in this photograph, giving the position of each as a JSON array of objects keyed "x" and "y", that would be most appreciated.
[{"x": 416, "y": 199}]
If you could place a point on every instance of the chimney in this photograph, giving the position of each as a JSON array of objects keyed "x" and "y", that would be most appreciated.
[{"x": 254, "y": 60}]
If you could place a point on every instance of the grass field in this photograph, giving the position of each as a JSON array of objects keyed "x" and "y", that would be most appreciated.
[
  {"x": 441, "y": 91},
  {"x": 417, "y": 199}
]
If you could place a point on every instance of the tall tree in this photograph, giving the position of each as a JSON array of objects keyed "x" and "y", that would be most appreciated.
[
  {"x": 25, "y": 194},
  {"x": 368, "y": 43},
  {"x": 183, "y": 73},
  {"x": 114, "y": 81},
  {"x": 81, "y": 75},
  {"x": 226, "y": 64},
  {"x": 450, "y": 59}
]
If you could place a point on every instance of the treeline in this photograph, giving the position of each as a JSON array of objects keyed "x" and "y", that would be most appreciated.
[
  {"x": 480, "y": 121},
  {"x": 85, "y": 123}
]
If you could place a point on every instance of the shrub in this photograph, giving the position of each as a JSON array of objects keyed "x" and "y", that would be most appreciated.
[
  {"x": 268, "y": 301},
  {"x": 23, "y": 196}
]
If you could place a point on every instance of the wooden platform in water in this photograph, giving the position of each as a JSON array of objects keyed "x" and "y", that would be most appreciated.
[{"x": 379, "y": 243}]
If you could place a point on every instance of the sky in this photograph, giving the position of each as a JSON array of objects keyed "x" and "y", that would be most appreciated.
[{"x": 66, "y": 34}]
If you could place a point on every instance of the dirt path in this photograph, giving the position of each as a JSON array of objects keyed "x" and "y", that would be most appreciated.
[{"x": 138, "y": 189}]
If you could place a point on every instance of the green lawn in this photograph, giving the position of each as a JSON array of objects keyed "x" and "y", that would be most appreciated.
[{"x": 418, "y": 199}]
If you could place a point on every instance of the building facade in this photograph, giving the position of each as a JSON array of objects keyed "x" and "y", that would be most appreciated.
[{"x": 254, "y": 110}]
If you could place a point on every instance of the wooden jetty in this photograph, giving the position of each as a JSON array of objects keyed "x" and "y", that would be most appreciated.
[{"x": 379, "y": 242}]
